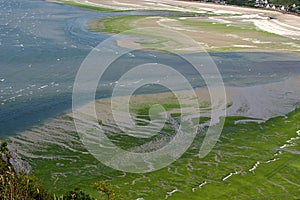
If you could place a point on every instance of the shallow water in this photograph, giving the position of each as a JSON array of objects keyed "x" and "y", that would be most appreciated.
[{"x": 42, "y": 45}]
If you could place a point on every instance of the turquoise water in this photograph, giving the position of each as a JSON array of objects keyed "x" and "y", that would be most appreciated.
[{"x": 42, "y": 45}]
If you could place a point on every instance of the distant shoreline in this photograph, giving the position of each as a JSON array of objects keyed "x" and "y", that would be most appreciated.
[
  {"x": 213, "y": 33},
  {"x": 271, "y": 21},
  {"x": 176, "y": 5}
]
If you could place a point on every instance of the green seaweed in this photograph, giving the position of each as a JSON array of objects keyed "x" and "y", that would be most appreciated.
[{"x": 237, "y": 150}]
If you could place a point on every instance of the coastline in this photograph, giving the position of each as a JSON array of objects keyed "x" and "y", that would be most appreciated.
[
  {"x": 55, "y": 149},
  {"x": 220, "y": 33},
  {"x": 188, "y": 6},
  {"x": 57, "y": 155},
  {"x": 244, "y": 29}
]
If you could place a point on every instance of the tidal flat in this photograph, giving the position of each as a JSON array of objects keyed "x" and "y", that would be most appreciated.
[
  {"x": 215, "y": 33},
  {"x": 256, "y": 155},
  {"x": 62, "y": 163},
  {"x": 256, "y": 52}
]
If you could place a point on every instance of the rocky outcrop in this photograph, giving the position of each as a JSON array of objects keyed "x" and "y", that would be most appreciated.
[{"x": 20, "y": 166}]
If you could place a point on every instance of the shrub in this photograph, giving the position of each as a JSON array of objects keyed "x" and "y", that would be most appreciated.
[
  {"x": 106, "y": 188},
  {"x": 14, "y": 186},
  {"x": 77, "y": 194}
]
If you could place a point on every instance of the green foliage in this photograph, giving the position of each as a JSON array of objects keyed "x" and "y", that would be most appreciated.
[
  {"x": 77, "y": 194},
  {"x": 3, "y": 147},
  {"x": 296, "y": 9},
  {"x": 14, "y": 186},
  {"x": 251, "y": 3},
  {"x": 285, "y": 2},
  {"x": 106, "y": 188},
  {"x": 240, "y": 2}
]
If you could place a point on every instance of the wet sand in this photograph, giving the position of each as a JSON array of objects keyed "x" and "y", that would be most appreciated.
[
  {"x": 281, "y": 24},
  {"x": 260, "y": 102}
]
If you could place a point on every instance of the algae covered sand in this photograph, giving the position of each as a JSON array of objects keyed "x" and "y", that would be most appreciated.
[
  {"x": 214, "y": 33},
  {"x": 250, "y": 159},
  {"x": 215, "y": 27},
  {"x": 255, "y": 165}
]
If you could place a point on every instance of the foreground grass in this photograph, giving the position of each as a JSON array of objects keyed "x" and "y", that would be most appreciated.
[{"x": 18, "y": 186}]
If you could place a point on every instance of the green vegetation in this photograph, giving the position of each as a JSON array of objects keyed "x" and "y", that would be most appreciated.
[
  {"x": 276, "y": 2},
  {"x": 107, "y": 189},
  {"x": 285, "y": 2},
  {"x": 240, "y": 147},
  {"x": 114, "y": 24},
  {"x": 18, "y": 186},
  {"x": 15, "y": 186},
  {"x": 3, "y": 147},
  {"x": 251, "y": 3},
  {"x": 75, "y": 194}
]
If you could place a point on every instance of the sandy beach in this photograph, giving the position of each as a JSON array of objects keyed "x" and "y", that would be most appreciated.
[{"x": 281, "y": 24}]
